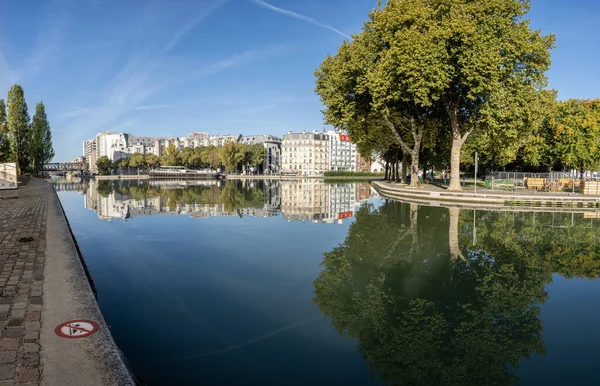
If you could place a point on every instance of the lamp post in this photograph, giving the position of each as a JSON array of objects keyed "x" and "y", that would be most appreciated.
[{"x": 476, "y": 161}]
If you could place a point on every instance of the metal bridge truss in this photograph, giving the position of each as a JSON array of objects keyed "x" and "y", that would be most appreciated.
[{"x": 64, "y": 166}]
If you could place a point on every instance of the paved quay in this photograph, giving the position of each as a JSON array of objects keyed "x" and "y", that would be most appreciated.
[
  {"x": 433, "y": 194},
  {"x": 43, "y": 284}
]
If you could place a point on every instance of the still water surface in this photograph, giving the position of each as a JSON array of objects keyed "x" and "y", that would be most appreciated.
[{"x": 310, "y": 283}]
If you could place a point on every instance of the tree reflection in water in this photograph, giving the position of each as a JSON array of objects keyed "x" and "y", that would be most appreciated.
[{"x": 430, "y": 304}]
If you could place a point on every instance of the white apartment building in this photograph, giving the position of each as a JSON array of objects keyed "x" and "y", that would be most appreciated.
[
  {"x": 305, "y": 153},
  {"x": 90, "y": 153},
  {"x": 342, "y": 152}
]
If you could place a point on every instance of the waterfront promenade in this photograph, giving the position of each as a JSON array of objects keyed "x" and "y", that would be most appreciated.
[
  {"x": 484, "y": 198},
  {"x": 43, "y": 284}
]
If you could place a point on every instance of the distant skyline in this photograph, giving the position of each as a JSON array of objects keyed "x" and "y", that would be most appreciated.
[{"x": 164, "y": 68}]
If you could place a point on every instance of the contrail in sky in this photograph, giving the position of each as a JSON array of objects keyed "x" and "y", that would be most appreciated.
[{"x": 299, "y": 17}]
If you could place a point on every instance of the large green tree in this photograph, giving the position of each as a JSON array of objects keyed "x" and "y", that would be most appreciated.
[
  {"x": 362, "y": 95},
  {"x": 5, "y": 154},
  {"x": 475, "y": 65},
  {"x": 137, "y": 160},
  {"x": 18, "y": 127},
  {"x": 41, "y": 150},
  {"x": 104, "y": 165},
  {"x": 255, "y": 155},
  {"x": 231, "y": 155},
  {"x": 152, "y": 160},
  {"x": 573, "y": 131},
  {"x": 171, "y": 157}
]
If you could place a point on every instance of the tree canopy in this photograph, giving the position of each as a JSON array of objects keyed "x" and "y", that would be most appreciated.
[
  {"x": 4, "y": 136},
  {"x": 18, "y": 127},
  {"x": 40, "y": 144},
  {"x": 475, "y": 68}
]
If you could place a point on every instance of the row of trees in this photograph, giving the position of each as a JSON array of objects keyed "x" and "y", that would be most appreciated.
[
  {"x": 427, "y": 79},
  {"x": 232, "y": 156},
  {"x": 25, "y": 141},
  {"x": 234, "y": 195}
]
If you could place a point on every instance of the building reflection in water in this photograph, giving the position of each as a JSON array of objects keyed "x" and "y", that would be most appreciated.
[{"x": 295, "y": 200}]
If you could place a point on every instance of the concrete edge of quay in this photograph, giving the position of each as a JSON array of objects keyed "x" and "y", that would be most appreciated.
[
  {"x": 69, "y": 295},
  {"x": 495, "y": 200}
]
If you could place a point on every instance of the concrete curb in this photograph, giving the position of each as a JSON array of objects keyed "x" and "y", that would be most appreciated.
[
  {"x": 486, "y": 200},
  {"x": 68, "y": 295}
]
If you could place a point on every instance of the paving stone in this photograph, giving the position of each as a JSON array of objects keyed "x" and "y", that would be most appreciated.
[
  {"x": 6, "y": 371},
  {"x": 17, "y": 313},
  {"x": 32, "y": 326},
  {"x": 28, "y": 374},
  {"x": 33, "y": 316},
  {"x": 31, "y": 347},
  {"x": 13, "y": 332},
  {"x": 32, "y": 335},
  {"x": 13, "y": 322},
  {"x": 7, "y": 356},
  {"x": 28, "y": 359},
  {"x": 9, "y": 344}
]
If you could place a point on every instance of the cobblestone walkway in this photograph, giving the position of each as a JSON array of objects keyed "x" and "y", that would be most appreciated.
[{"x": 21, "y": 279}]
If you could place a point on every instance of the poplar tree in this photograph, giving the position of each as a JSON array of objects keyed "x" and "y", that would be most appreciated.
[
  {"x": 4, "y": 138},
  {"x": 40, "y": 146},
  {"x": 18, "y": 127}
]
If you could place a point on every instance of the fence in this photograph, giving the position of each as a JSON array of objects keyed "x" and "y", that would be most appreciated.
[
  {"x": 545, "y": 181},
  {"x": 8, "y": 176}
]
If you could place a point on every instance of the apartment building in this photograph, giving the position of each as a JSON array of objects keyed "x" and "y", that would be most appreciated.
[
  {"x": 306, "y": 154},
  {"x": 342, "y": 152},
  {"x": 272, "y": 146}
]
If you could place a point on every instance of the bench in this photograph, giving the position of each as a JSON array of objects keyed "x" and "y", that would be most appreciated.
[{"x": 535, "y": 183}]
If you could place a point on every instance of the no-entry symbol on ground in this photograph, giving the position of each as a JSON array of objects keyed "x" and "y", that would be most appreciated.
[{"x": 76, "y": 329}]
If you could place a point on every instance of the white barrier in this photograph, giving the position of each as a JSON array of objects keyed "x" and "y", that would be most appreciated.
[{"x": 8, "y": 176}]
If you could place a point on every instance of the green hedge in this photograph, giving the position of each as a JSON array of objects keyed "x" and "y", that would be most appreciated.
[{"x": 335, "y": 173}]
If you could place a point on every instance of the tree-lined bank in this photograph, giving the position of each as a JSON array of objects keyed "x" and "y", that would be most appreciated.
[
  {"x": 231, "y": 156},
  {"x": 430, "y": 82},
  {"x": 25, "y": 141}
]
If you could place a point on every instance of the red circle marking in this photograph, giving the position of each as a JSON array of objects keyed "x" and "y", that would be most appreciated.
[{"x": 76, "y": 329}]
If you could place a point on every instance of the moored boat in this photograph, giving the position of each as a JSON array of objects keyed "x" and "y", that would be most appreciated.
[{"x": 183, "y": 172}]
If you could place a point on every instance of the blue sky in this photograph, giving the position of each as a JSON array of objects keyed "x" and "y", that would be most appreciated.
[{"x": 238, "y": 66}]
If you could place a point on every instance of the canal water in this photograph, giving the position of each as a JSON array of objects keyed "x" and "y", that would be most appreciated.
[{"x": 314, "y": 283}]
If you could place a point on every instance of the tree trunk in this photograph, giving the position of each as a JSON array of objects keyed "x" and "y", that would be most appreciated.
[
  {"x": 387, "y": 170},
  {"x": 455, "y": 252},
  {"x": 397, "y": 171},
  {"x": 414, "y": 168},
  {"x": 455, "y": 162},
  {"x": 404, "y": 166}
]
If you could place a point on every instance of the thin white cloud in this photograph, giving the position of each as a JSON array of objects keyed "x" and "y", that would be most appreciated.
[
  {"x": 299, "y": 17},
  {"x": 181, "y": 32},
  {"x": 76, "y": 111},
  {"x": 151, "y": 107},
  {"x": 243, "y": 58}
]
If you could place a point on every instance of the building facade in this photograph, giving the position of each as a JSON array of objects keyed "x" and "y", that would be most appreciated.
[
  {"x": 362, "y": 164},
  {"x": 272, "y": 146},
  {"x": 342, "y": 152},
  {"x": 305, "y": 154}
]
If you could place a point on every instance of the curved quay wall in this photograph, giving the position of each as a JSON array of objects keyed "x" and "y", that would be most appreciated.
[{"x": 492, "y": 201}]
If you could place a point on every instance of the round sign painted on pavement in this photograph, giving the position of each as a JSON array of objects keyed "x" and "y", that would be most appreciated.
[{"x": 76, "y": 329}]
